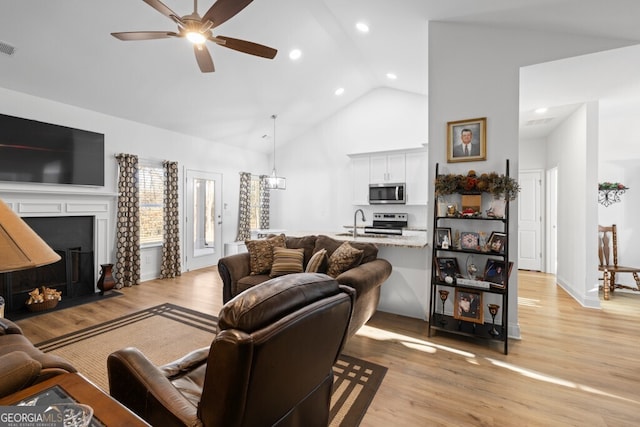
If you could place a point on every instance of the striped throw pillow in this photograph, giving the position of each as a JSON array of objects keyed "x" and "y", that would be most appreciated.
[
  {"x": 318, "y": 262},
  {"x": 286, "y": 261}
]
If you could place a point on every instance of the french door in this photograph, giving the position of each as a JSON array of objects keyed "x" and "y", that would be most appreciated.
[{"x": 203, "y": 219}]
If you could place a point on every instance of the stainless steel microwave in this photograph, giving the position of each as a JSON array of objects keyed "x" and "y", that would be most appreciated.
[{"x": 381, "y": 194}]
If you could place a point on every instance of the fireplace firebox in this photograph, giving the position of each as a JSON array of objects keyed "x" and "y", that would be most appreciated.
[{"x": 72, "y": 238}]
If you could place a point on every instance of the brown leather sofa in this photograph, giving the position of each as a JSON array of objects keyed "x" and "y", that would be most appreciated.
[
  {"x": 269, "y": 364},
  {"x": 21, "y": 363},
  {"x": 366, "y": 277}
]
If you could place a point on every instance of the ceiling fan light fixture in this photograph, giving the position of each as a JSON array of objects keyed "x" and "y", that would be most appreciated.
[{"x": 196, "y": 37}]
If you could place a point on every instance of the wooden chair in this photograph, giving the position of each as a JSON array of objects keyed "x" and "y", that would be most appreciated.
[{"x": 608, "y": 245}]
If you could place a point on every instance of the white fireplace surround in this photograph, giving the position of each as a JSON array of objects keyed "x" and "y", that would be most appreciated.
[{"x": 101, "y": 206}]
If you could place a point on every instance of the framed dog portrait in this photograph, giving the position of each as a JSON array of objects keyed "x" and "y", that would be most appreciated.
[
  {"x": 468, "y": 305},
  {"x": 466, "y": 140}
]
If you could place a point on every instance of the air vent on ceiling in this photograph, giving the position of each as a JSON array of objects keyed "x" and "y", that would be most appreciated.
[
  {"x": 539, "y": 122},
  {"x": 6, "y": 48}
]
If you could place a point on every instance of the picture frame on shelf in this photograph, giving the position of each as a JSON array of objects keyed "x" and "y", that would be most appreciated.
[
  {"x": 471, "y": 203},
  {"x": 495, "y": 272},
  {"x": 468, "y": 305},
  {"x": 443, "y": 234},
  {"x": 469, "y": 240},
  {"x": 496, "y": 242},
  {"x": 446, "y": 266},
  {"x": 466, "y": 140}
]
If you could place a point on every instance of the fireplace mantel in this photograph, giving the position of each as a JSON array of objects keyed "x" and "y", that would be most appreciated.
[{"x": 101, "y": 206}]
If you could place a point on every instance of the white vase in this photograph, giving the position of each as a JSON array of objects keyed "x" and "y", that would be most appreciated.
[{"x": 497, "y": 208}]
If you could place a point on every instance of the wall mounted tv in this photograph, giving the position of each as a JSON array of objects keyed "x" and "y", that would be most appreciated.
[{"x": 32, "y": 151}]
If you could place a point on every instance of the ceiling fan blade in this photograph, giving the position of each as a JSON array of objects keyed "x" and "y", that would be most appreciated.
[
  {"x": 163, "y": 9},
  {"x": 204, "y": 58},
  {"x": 246, "y": 47},
  {"x": 144, "y": 35},
  {"x": 223, "y": 10}
]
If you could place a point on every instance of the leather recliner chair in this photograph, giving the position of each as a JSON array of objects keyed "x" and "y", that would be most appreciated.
[{"x": 269, "y": 364}]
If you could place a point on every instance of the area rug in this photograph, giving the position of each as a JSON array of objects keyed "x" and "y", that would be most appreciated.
[{"x": 153, "y": 331}]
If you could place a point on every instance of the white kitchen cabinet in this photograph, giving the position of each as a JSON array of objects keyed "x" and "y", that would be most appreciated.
[
  {"x": 360, "y": 179},
  {"x": 417, "y": 177},
  {"x": 385, "y": 168}
]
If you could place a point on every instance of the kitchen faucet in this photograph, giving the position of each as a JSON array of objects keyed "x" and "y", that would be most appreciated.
[{"x": 355, "y": 216}]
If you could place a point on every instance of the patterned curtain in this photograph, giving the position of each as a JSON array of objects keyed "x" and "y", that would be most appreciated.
[
  {"x": 244, "y": 211},
  {"x": 264, "y": 202},
  {"x": 171, "y": 246},
  {"x": 127, "y": 270}
]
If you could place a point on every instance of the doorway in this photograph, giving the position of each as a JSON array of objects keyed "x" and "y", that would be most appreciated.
[
  {"x": 530, "y": 220},
  {"x": 203, "y": 219}
]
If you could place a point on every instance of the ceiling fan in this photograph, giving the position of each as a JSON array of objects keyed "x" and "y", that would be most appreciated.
[{"x": 197, "y": 30}]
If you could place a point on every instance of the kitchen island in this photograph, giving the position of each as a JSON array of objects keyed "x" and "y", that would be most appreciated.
[{"x": 409, "y": 238}]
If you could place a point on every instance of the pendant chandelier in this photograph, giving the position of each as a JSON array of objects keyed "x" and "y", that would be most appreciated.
[{"x": 275, "y": 182}]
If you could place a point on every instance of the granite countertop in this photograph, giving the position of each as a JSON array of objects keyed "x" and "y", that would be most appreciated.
[{"x": 409, "y": 239}]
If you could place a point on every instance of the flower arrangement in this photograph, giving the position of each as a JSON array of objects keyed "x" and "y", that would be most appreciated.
[
  {"x": 500, "y": 186},
  {"x": 611, "y": 186}
]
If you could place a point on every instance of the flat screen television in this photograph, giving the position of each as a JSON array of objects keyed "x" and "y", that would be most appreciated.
[{"x": 32, "y": 151}]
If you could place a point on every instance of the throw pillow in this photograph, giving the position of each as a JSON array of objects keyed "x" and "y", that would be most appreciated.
[
  {"x": 261, "y": 253},
  {"x": 286, "y": 261},
  {"x": 318, "y": 262},
  {"x": 343, "y": 258}
]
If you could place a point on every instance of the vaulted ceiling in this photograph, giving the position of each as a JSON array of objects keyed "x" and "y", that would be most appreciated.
[{"x": 64, "y": 52}]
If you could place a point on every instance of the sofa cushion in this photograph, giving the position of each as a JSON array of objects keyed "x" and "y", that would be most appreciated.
[
  {"x": 286, "y": 261},
  {"x": 307, "y": 243},
  {"x": 318, "y": 262},
  {"x": 344, "y": 258},
  {"x": 8, "y": 327},
  {"x": 247, "y": 282},
  {"x": 261, "y": 253},
  {"x": 275, "y": 299},
  {"x": 18, "y": 370},
  {"x": 370, "y": 251}
]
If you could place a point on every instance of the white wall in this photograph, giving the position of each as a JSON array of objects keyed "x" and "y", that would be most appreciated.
[
  {"x": 619, "y": 153},
  {"x": 532, "y": 153},
  {"x": 319, "y": 192},
  {"x": 474, "y": 72},
  {"x": 568, "y": 148},
  {"x": 124, "y": 136}
]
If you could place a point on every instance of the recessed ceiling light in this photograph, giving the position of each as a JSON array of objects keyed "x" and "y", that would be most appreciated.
[
  {"x": 391, "y": 76},
  {"x": 295, "y": 54},
  {"x": 541, "y": 110},
  {"x": 339, "y": 91},
  {"x": 362, "y": 27}
]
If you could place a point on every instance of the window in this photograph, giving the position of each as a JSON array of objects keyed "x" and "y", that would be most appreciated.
[
  {"x": 151, "y": 183},
  {"x": 255, "y": 205}
]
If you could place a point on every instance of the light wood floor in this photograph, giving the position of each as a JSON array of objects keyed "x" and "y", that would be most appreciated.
[{"x": 573, "y": 367}]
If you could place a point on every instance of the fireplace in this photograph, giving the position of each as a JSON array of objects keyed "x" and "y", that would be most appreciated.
[{"x": 72, "y": 237}]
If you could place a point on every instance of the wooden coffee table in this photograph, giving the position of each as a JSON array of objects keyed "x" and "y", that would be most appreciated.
[{"x": 106, "y": 410}]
